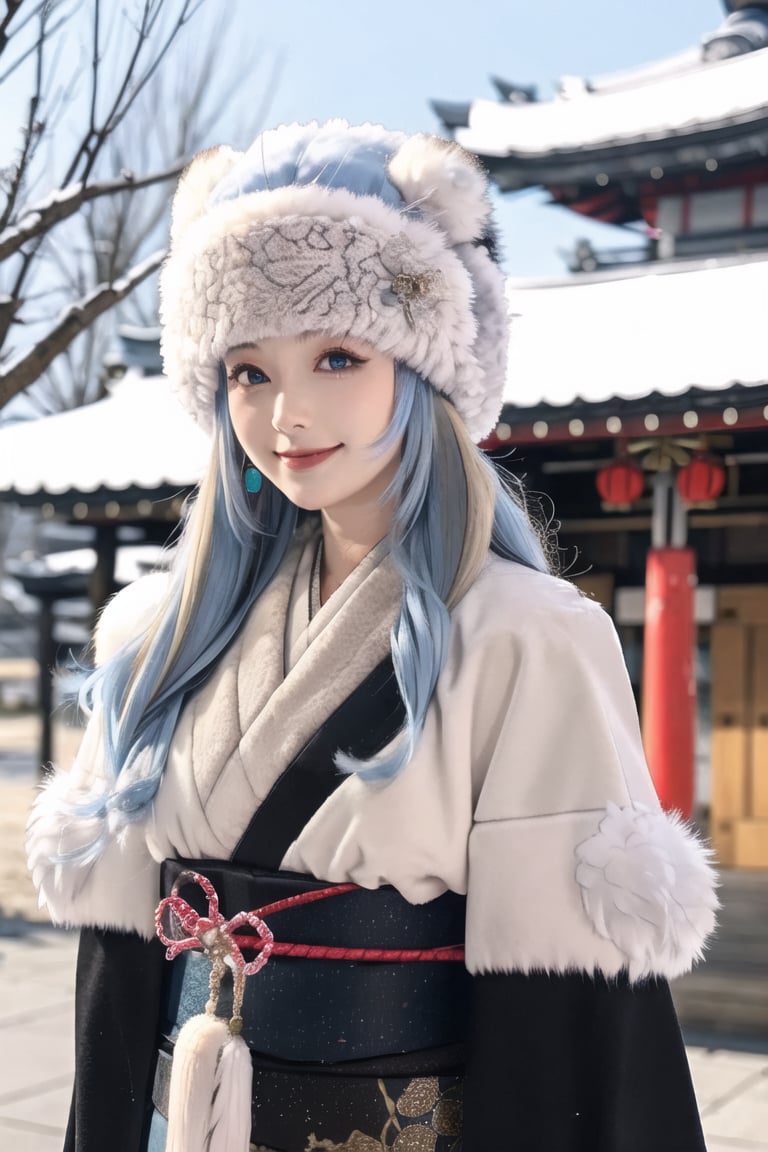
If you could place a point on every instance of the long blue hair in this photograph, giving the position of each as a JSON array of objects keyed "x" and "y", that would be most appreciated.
[{"x": 141, "y": 690}]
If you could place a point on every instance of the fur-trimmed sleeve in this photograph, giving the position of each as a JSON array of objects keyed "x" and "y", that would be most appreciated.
[
  {"x": 573, "y": 866},
  {"x": 583, "y": 895},
  {"x": 119, "y": 888}
]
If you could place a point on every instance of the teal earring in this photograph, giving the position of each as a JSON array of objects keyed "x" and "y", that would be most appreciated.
[{"x": 253, "y": 480}]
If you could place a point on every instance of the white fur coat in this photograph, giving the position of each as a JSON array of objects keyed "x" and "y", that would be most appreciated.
[{"x": 528, "y": 790}]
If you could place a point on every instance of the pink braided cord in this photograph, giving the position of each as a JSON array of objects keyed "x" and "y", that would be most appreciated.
[{"x": 214, "y": 933}]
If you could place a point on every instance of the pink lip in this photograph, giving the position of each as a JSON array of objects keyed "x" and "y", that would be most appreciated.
[{"x": 299, "y": 461}]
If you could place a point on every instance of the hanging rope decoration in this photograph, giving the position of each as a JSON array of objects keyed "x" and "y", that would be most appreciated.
[{"x": 209, "y": 1107}]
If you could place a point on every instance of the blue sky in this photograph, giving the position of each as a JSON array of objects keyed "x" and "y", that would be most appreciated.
[{"x": 383, "y": 62}]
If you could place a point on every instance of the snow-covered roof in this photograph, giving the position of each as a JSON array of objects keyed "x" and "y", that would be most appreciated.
[
  {"x": 663, "y": 328},
  {"x": 139, "y": 436},
  {"x": 661, "y": 105},
  {"x": 649, "y": 72},
  {"x": 670, "y": 328}
]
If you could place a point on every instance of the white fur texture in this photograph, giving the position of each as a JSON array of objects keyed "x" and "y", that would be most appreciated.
[
  {"x": 647, "y": 886},
  {"x": 120, "y": 891},
  {"x": 197, "y": 182},
  {"x": 310, "y": 258},
  {"x": 446, "y": 182},
  {"x": 51, "y": 833},
  {"x": 491, "y": 345}
]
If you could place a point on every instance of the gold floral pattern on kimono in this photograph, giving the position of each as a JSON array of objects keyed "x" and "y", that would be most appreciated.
[{"x": 416, "y": 1121}]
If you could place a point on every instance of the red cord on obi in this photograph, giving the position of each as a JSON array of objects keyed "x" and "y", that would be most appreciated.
[{"x": 217, "y": 936}]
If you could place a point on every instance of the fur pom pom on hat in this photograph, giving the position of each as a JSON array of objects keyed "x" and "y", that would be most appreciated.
[{"x": 342, "y": 230}]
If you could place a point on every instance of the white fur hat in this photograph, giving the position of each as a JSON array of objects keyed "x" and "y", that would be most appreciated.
[{"x": 345, "y": 230}]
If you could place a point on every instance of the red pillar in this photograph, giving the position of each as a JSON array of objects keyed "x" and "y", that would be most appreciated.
[{"x": 669, "y": 678}]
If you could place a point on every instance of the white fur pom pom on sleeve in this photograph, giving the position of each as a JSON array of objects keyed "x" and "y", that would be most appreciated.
[{"x": 647, "y": 886}]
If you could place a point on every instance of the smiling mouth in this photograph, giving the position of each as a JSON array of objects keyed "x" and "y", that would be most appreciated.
[{"x": 298, "y": 461}]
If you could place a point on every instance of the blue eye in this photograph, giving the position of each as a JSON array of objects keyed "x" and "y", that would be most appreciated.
[
  {"x": 247, "y": 374},
  {"x": 339, "y": 361}
]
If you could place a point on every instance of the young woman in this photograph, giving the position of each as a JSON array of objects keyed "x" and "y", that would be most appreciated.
[{"x": 362, "y": 691}]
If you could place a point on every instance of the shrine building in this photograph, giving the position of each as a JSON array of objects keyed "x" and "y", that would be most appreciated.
[{"x": 637, "y": 400}]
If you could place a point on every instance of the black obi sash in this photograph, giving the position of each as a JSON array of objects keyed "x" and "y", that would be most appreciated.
[
  {"x": 338, "y": 1046},
  {"x": 321, "y": 1010}
]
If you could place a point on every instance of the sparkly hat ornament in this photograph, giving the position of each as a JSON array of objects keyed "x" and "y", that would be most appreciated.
[{"x": 340, "y": 230}]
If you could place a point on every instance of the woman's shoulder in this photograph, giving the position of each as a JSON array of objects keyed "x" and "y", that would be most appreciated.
[
  {"x": 128, "y": 613},
  {"x": 511, "y": 598}
]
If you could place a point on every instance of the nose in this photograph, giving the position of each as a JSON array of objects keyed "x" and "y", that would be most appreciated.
[{"x": 291, "y": 409}]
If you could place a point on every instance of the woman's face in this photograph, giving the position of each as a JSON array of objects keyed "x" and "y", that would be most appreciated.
[{"x": 307, "y": 409}]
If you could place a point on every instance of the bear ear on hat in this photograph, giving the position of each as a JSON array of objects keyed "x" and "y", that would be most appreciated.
[
  {"x": 445, "y": 182},
  {"x": 198, "y": 180}
]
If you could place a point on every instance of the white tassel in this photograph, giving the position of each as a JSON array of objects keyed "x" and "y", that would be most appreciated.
[
  {"x": 196, "y": 1058},
  {"x": 209, "y": 1101},
  {"x": 231, "y": 1108}
]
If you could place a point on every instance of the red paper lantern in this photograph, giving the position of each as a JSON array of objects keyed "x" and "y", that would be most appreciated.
[
  {"x": 620, "y": 482},
  {"x": 702, "y": 479}
]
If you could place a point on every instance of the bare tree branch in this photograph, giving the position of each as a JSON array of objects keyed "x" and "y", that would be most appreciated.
[
  {"x": 95, "y": 61},
  {"x": 9, "y": 310},
  {"x": 76, "y": 319},
  {"x": 44, "y": 10},
  {"x": 73, "y": 243},
  {"x": 14, "y": 6},
  {"x": 40, "y": 218},
  {"x": 11, "y": 8},
  {"x": 69, "y": 381},
  {"x": 32, "y": 134},
  {"x": 130, "y": 85}
]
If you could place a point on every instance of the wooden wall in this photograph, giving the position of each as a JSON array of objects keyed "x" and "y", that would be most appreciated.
[{"x": 740, "y": 727}]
